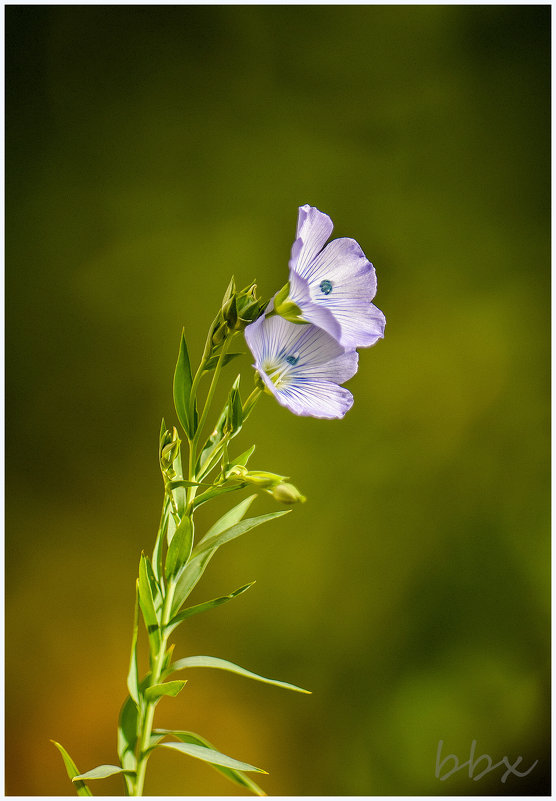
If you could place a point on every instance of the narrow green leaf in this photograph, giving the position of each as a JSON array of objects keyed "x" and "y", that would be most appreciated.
[
  {"x": 235, "y": 412},
  {"x": 210, "y": 755},
  {"x": 173, "y": 485},
  {"x": 223, "y": 664},
  {"x": 214, "y": 492},
  {"x": 196, "y": 567},
  {"x": 195, "y": 610},
  {"x": 163, "y": 431},
  {"x": 102, "y": 772},
  {"x": 154, "y": 740},
  {"x": 213, "y": 361},
  {"x": 230, "y": 518},
  {"x": 180, "y": 548},
  {"x": 128, "y": 725},
  {"x": 172, "y": 526},
  {"x": 171, "y": 688},
  {"x": 182, "y": 389},
  {"x": 146, "y": 602},
  {"x": 133, "y": 675},
  {"x": 72, "y": 770},
  {"x": 189, "y": 578},
  {"x": 244, "y": 457},
  {"x": 243, "y": 527},
  {"x": 155, "y": 587},
  {"x": 235, "y": 776}
]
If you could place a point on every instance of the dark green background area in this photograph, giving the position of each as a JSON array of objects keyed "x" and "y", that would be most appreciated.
[{"x": 151, "y": 152}]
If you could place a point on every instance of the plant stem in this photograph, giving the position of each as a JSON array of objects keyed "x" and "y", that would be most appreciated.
[
  {"x": 199, "y": 373},
  {"x": 195, "y": 441},
  {"x": 147, "y": 722},
  {"x": 158, "y": 662},
  {"x": 213, "y": 383}
]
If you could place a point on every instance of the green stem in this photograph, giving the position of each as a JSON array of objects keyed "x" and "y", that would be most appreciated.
[
  {"x": 199, "y": 373},
  {"x": 191, "y": 491},
  {"x": 192, "y": 401},
  {"x": 213, "y": 383},
  {"x": 147, "y": 722}
]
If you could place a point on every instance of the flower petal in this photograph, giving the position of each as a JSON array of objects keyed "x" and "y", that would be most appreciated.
[
  {"x": 302, "y": 365},
  {"x": 320, "y": 399},
  {"x": 336, "y": 290},
  {"x": 313, "y": 229}
]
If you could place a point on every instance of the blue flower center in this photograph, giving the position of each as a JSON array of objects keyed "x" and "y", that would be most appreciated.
[{"x": 325, "y": 286}]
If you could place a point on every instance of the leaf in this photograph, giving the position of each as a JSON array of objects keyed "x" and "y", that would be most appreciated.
[
  {"x": 230, "y": 518},
  {"x": 155, "y": 587},
  {"x": 234, "y": 419},
  {"x": 189, "y": 578},
  {"x": 128, "y": 724},
  {"x": 243, "y": 458},
  {"x": 180, "y": 548},
  {"x": 210, "y": 755},
  {"x": 72, "y": 770},
  {"x": 243, "y": 527},
  {"x": 181, "y": 482},
  {"x": 102, "y": 772},
  {"x": 235, "y": 776},
  {"x": 216, "y": 454},
  {"x": 161, "y": 436},
  {"x": 213, "y": 361},
  {"x": 223, "y": 664},
  {"x": 182, "y": 390},
  {"x": 195, "y": 610},
  {"x": 171, "y": 688},
  {"x": 133, "y": 674},
  {"x": 196, "y": 567},
  {"x": 214, "y": 492},
  {"x": 146, "y": 602}
]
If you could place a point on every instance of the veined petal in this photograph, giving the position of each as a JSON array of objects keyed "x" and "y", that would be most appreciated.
[
  {"x": 318, "y": 314},
  {"x": 313, "y": 229},
  {"x": 302, "y": 365},
  {"x": 336, "y": 291},
  {"x": 320, "y": 399}
]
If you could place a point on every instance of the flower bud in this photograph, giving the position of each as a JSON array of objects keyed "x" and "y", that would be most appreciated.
[
  {"x": 230, "y": 312},
  {"x": 169, "y": 450},
  {"x": 260, "y": 478},
  {"x": 220, "y": 333},
  {"x": 287, "y": 493},
  {"x": 239, "y": 309}
]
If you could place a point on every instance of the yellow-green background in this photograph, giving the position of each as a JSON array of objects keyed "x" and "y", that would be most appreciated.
[{"x": 151, "y": 153}]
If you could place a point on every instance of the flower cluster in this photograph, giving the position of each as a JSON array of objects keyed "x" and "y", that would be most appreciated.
[{"x": 305, "y": 343}]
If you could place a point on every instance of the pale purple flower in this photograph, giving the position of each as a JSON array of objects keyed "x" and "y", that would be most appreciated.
[
  {"x": 333, "y": 286},
  {"x": 302, "y": 366}
]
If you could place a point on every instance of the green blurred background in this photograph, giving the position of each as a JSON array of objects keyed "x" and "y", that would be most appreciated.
[{"x": 151, "y": 153}]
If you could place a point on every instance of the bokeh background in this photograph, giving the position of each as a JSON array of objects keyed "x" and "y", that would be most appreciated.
[{"x": 151, "y": 152}]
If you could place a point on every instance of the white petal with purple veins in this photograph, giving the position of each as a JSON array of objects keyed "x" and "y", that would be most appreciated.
[
  {"x": 313, "y": 229},
  {"x": 334, "y": 285},
  {"x": 302, "y": 366}
]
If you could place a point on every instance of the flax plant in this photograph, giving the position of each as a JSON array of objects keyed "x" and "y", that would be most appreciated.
[{"x": 304, "y": 342}]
